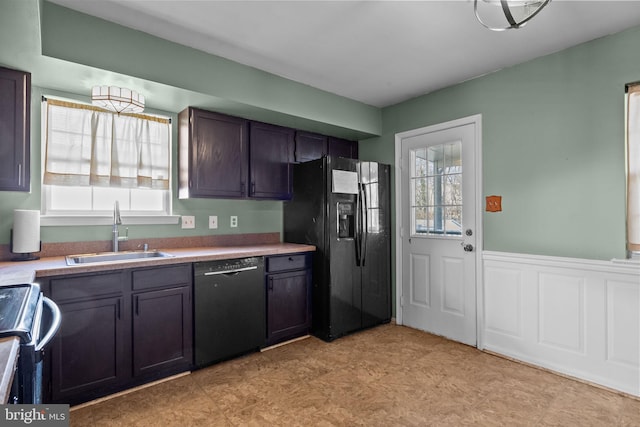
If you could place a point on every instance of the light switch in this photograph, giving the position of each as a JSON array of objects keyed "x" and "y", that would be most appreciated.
[{"x": 213, "y": 222}]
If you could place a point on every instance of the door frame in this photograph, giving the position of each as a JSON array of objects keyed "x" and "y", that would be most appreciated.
[{"x": 476, "y": 120}]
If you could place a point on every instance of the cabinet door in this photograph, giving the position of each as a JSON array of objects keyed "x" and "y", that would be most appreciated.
[
  {"x": 218, "y": 155},
  {"x": 289, "y": 305},
  {"x": 89, "y": 353},
  {"x": 15, "y": 113},
  {"x": 309, "y": 146},
  {"x": 271, "y": 149},
  {"x": 342, "y": 148},
  {"x": 162, "y": 331}
]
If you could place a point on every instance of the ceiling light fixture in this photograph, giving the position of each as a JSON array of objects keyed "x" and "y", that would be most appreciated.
[
  {"x": 516, "y": 12},
  {"x": 117, "y": 99}
]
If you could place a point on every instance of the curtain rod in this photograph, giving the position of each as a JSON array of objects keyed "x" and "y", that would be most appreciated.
[
  {"x": 91, "y": 107},
  {"x": 628, "y": 86}
]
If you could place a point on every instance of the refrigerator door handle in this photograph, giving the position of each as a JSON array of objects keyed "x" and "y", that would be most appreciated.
[
  {"x": 364, "y": 225},
  {"x": 358, "y": 230}
]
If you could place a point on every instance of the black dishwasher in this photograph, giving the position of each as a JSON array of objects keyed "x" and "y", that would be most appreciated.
[{"x": 229, "y": 309}]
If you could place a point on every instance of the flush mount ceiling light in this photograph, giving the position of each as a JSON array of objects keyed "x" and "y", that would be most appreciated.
[
  {"x": 117, "y": 99},
  {"x": 512, "y": 13}
]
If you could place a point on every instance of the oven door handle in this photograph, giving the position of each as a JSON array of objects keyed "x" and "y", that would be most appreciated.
[{"x": 55, "y": 323}]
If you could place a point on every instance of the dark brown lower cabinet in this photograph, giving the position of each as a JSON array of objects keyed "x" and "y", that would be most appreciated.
[
  {"x": 119, "y": 329},
  {"x": 162, "y": 334},
  {"x": 89, "y": 352},
  {"x": 288, "y": 283}
]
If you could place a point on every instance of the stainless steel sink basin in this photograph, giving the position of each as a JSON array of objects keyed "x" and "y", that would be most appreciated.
[{"x": 114, "y": 256}]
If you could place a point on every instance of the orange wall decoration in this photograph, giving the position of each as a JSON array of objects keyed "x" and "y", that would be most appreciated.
[{"x": 494, "y": 203}]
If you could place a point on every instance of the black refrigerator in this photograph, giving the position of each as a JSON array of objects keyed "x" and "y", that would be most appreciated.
[{"x": 342, "y": 206}]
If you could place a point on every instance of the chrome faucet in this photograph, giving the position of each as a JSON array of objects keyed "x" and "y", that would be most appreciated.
[{"x": 115, "y": 232}]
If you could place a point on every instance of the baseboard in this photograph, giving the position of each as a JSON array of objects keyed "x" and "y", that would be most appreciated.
[
  {"x": 280, "y": 344},
  {"x": 130, "y": 390}
]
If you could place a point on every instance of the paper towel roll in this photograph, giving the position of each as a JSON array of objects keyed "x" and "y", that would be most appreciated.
[{"x": 26, "y": 231}]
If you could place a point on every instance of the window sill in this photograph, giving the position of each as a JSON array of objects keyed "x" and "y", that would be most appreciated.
[
  {"x": 628, "y": 261},
  {"x": 71, "y": 220}
]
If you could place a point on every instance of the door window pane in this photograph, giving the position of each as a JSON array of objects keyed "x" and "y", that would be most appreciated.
[
  {"x": 436, "y": 189},
  {"x": 453, "y": 220}
]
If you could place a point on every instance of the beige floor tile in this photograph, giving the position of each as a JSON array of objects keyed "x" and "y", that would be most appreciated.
[{"x": 386, "y": 376}]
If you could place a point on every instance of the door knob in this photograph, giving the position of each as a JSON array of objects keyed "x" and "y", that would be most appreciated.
[{"x": 468, "y": 248}]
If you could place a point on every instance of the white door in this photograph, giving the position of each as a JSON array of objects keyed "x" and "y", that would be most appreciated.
[{"x": 439, "y": 229}]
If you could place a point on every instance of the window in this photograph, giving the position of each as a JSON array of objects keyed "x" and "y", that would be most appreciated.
[
  {"x": 633, "y": 169},
  {"x": 92, "y": 157},
  {"x": 436, "y": 190}
]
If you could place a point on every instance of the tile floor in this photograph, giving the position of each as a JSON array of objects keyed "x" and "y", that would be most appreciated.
[{"x": 387, "y": 376}]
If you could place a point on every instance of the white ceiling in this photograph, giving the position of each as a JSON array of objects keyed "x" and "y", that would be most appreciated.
[{"x": 376, "y": 52}]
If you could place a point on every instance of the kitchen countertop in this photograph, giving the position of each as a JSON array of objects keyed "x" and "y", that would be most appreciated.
[
  {"x": 8, "y": 359},
  {"x": 56, "y": 266}
]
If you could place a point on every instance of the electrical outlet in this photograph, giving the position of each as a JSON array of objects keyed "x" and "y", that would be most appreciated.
[
  {"x": 234, "y": 221},
  {"x": 188, "y": 221},
  {"x": 213, "y": 222}
]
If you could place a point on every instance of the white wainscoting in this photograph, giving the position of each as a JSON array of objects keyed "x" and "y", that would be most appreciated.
[{"x": 574, "y": 316}]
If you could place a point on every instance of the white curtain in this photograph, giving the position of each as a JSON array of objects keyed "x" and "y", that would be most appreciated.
[
  {"x": 90, "y": 146},
  {"x": 633, "y": 168}
]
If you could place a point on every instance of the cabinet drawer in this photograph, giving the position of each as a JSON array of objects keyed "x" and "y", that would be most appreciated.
[
  {"x": 91, "y": 285},
  {"x": 158, "y": 277},
  {"x": 288, "y": 262}
]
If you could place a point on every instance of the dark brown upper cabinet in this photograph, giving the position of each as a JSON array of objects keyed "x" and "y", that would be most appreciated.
[
  {"x": 271, "y": 153},
  {"x": 15, "y": 113},
  {"x": 338, "y": 147},
  {"x": 309, "y": 146},
  {"x": 222, "y": 156},
  {"x": 212, "y": 155},
  {"x": 312, "y": 146}
]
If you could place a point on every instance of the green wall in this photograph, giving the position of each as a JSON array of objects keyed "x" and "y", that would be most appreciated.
[
  {"x": 108, "y": 46},
  {"x": 553, "y": 146},
  {"x": 253, "y": 216}
]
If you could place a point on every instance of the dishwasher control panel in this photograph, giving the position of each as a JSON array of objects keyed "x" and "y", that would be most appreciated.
[{"x": 227, "y": 265}]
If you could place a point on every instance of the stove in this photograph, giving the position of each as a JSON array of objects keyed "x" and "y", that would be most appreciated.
[
  {"x": 19, "y": 306},
  {"x": 35, "y": 319}
]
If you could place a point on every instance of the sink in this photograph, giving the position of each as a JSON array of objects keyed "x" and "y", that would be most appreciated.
[{"x": 114, "y": 256}]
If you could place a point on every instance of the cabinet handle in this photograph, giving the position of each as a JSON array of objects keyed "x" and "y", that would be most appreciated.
[
  {"x": 118, "y": 309},
  {"x": 253, "y": 188},
  {"x": 19, "y": 174},
  {"x": 271, "y": 283},
  {"x": 242, "y": 188},
  {"x": 137, "y": 308}
]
